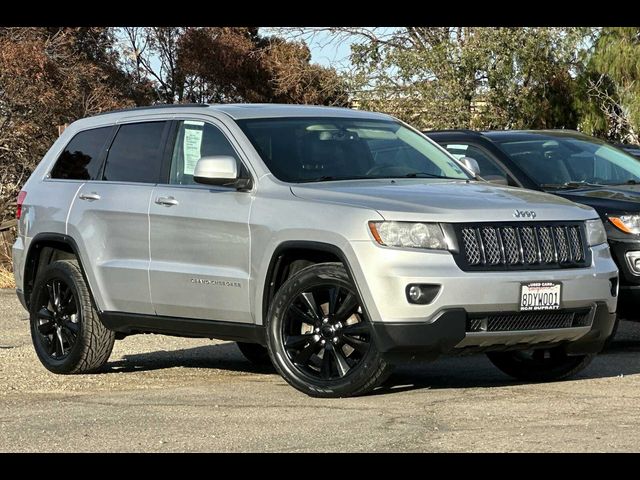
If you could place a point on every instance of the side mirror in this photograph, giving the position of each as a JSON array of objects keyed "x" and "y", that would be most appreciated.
[
  {"x": 471, "y": 164},
  {"x": 220, "y": 170}
]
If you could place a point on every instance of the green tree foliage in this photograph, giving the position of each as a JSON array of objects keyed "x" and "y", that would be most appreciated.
[
  {"x": 609, "y": 95},
  {"x": 468, "y": 77}
]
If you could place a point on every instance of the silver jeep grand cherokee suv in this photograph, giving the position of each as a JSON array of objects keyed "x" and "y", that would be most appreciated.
[{"x": 334, "y": 243}]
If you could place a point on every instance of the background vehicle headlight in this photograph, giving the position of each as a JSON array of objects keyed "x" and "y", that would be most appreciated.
[
  {"x": 409, "y": 234},
  {"x": 596, "y": 234},
  {"x": 626, "y": 223}
]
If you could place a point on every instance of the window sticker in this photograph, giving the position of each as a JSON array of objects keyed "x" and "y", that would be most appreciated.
[{"x": 191, "y": 147}]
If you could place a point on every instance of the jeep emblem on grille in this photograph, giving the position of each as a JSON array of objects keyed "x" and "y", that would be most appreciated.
[{"x": 524, "y": 214}]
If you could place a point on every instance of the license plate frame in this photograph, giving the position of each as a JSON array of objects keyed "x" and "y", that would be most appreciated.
[{"x": 540, "y": 296}]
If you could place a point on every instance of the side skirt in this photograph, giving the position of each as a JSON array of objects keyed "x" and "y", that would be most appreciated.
[{"x": 132, "y": 323}]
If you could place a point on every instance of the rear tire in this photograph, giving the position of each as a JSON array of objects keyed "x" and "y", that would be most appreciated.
[
  {"x": 255, "y": 353},
  {"x": 542, "y": 365},
  {"x": 319, "y": 337},
  {"x": 66, "y": 332}
]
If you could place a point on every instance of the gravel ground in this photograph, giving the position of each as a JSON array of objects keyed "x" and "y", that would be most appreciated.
[{"x": 161, "y": 394}]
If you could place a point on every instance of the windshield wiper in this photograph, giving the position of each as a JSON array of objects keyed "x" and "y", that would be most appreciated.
[
  {"x": 429, "y": 175},
  {"x": 330, "y": 178},
  {"x": 568, "y": 185}
]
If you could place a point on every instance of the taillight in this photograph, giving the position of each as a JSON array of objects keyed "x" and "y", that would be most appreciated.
[{"x": 21, "y": 196}]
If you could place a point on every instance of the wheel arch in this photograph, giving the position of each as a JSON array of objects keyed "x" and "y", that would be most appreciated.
[
  {"x": 291, "y": 250},
  {"x": 48, "y": 247}
]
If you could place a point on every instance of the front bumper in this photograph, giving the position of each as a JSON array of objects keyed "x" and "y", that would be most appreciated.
[
  {"x": 382, "y": 275},
  {"x": 446, "y": 334}
]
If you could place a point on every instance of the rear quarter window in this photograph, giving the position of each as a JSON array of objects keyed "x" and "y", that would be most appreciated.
[{"x": 81, "y": 158}]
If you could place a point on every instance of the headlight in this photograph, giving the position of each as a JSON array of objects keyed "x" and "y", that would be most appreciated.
[
  {"x": 627, "y": 223},
  {"x": 409, "y": 235},
  {"x": 595, "y": 232}
]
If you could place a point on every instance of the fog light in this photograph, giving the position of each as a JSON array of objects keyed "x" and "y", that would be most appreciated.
[
  {"x": 415, "y": 292},
  {"x": 422, "y": 293},
  {"x": 633, "y": 261}
]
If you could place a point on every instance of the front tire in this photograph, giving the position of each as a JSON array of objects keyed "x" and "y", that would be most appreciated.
[
  {"x": 541, "y": 365},
  {"x": 319, "y": 336},
  {"x": 66, "y": 332}
]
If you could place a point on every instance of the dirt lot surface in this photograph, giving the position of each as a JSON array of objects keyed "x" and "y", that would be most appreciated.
[{"x": 169, "y": 394}]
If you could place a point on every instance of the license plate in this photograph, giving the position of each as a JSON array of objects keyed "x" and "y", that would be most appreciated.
[{"x": 540, "y": 296}]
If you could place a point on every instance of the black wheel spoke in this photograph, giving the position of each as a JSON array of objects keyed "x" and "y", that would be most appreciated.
[
  {"x": 69, "y": 326},
  {"x": 306, "y": 318},
  {"x": 325, "y": 369},
  {"x": 297, "y": 341},
  {"x": 348, "y": 306},
  {"x": 304, "y": 355},
  {"x": 47, "y": 328},
  {"x": 359, "y": 328},
  {"x": 56, "y": 294},
  {"x": 314, "y": 308},
  {"x": 45, "y": 315},
  {"x": 57, "y": 338},
  {"x": 333, "y": 300},
  {"x": 51, "y": 295},
  {"x": 358, "y": 345},
  {"x": 341, "y": 361}
]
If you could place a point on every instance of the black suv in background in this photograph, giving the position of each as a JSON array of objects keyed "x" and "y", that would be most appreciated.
[{"x": 575, "y": 166}]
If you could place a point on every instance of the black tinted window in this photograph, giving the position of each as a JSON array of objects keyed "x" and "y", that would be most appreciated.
[
  {"x": 196, "y": 139},
  {"x": 136, "y": 153},
  {"x": 322, "y": 149},
  {"x": 80, "y": 160}
]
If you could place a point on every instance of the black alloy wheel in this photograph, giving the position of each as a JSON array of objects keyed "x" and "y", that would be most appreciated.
[
  {"x": 319, "y": 336},
  {"x": 66, "y": 330},
  {"x": 325, "y": 332},
  {"x": 58, "y": 319}
]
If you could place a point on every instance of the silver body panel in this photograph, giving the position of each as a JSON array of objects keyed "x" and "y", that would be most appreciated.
[{"x": 207, "y": 256}]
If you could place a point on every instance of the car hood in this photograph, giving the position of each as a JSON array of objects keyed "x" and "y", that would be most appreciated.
[
  {"x": 443, "y": 200},
  {"x": 609, "y": 199}
]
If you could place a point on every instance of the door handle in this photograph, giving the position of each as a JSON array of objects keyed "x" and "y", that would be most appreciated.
[
  {"x": 89, "y": 196},
  {"x": 167, "y": 201}
]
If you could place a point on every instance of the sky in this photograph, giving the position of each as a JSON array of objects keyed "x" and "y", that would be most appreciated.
[{"x": 325, "y": 49}]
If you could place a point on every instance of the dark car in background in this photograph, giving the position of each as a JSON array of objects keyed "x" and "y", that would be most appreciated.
[{"x": 575, "y": 166}]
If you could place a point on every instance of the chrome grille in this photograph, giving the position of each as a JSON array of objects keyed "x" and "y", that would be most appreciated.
[
  {"x": 509, "y": 246},
  {"x": 491, "y": 245},
  {"x": 508, "y": 322},
  {"x": 576, "y": 243},
  {"x": 546, "y": 245},
  {"x": 472, "y": 249}
]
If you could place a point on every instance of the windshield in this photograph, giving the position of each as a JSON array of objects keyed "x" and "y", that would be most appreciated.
[
  {"x": 566, "y": 161},
  {"x": 324, "y": 149}
]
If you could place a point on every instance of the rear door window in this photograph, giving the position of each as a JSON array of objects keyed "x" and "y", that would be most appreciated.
[
  {"x": 81, "y": 158},
  {"x": 136, "y": 153}
]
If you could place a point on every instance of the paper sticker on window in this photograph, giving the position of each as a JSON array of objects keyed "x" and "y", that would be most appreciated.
[{"x": 192, "y": 143}]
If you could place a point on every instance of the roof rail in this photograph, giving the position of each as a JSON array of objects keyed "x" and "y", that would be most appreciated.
[{"x": 153, "y": 107}]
